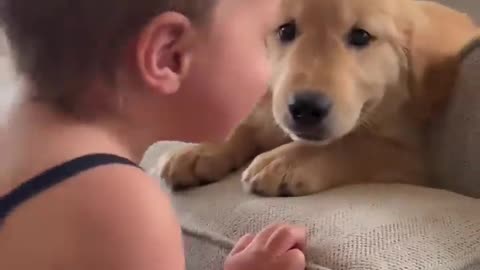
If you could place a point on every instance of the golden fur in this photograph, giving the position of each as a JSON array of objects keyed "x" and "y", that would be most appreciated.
[{"x": 383, "y": 99}]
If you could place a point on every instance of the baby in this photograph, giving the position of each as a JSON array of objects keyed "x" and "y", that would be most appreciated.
[{"x": 103, "y": 80}]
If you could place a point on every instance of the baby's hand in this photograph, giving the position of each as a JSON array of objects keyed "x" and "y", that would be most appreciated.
[{"x": 277, "y": 247}]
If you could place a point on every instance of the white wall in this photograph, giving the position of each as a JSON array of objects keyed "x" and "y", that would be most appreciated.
[{"x": 8, "y": 89}]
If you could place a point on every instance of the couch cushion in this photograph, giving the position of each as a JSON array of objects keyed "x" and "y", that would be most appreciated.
[
  {"x": 367, "y": 227},
  {"x": 456, "y": 137},
  {"x": 472, "y": 7}
]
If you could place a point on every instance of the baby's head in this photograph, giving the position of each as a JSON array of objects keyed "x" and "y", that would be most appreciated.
[{"x": 198, "y": 64}]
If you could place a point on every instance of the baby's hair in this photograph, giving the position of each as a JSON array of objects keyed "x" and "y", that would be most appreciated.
[{"x": 60, "y": 46}]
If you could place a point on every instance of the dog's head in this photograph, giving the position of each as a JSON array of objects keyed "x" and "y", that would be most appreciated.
[{"x": 341, "y": 63}]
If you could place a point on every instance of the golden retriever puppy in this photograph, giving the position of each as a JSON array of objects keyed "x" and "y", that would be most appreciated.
[{"x": 355, "y": 86}]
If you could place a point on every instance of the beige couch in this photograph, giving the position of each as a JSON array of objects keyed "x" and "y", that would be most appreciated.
[{"x": 364, "y": 227}]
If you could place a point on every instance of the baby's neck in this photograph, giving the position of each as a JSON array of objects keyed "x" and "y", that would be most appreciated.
[{"x": 39, "y": 138}]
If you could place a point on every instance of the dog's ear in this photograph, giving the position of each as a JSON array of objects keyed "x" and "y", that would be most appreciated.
[{"x": 435, "y": 46}]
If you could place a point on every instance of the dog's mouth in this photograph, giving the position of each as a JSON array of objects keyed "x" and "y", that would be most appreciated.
[
  {"x": 310, "y": 137},
  {"x": 313, "y": 117},
  {"x": 316, "y": 134},
  {"x": 306, "y": 117},
  {"x": 322, "y": 133}
]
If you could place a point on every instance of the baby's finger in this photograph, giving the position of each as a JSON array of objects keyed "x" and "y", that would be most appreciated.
[
  {"x": 293, "y": 260},
  {"x": 263, "y": 236},
  {"x": 286, "y": 238},
  {"x": 242, "y": 244}
]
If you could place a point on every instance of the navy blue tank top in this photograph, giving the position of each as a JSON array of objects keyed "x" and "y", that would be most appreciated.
[{"x": 55, "y": 176}]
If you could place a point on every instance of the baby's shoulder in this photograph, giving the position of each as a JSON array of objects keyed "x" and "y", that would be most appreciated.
[
  {"x": 123, "y": 218},
  {"x": 117, "y": 192},
  {"x": 111, "y": 217}
]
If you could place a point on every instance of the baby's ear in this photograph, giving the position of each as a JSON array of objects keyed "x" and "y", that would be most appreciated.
[
  {"x": 435, "y": 46},
  {"x": 163, "y": 53}
]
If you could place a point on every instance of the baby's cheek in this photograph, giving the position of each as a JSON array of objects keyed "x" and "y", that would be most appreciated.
[
  {"x": 247, "y": 85},
  {"x": 240, "y": 79},
  {"x": 255, "y": 84},
  {"x": 260, "y": 72}
]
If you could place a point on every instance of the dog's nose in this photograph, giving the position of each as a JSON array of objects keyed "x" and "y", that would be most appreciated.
[{"x": 309, "y": 108}]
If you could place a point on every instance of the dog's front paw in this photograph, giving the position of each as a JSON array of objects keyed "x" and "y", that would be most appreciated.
[
  {"x": 197, "y": 165},
  {"x": 279, "y": 174}
]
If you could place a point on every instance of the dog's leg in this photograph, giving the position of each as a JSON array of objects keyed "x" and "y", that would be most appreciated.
[
  {"x": 297, "y": 169},
  {"x": 207, "y": 163}
]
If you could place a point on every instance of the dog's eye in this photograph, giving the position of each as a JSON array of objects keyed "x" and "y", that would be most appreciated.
[
  {"x": 359, "y": 38},
  {"x": 287, "y": 32}
]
